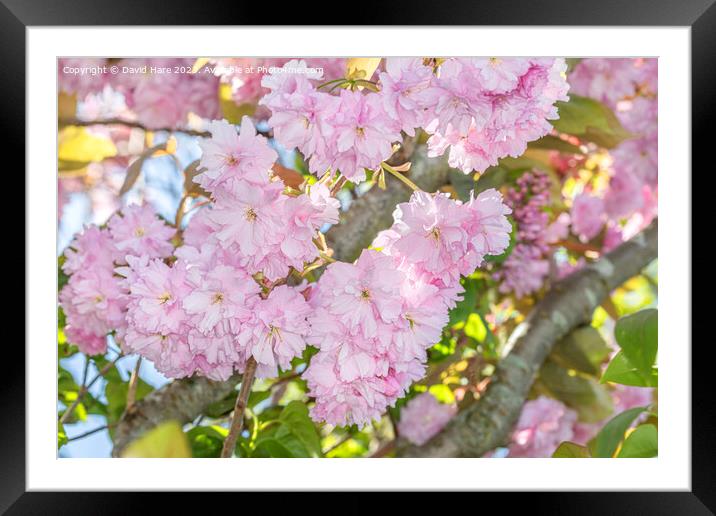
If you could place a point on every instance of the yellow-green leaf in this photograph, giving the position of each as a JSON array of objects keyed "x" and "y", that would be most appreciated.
[
  {"x": 165, "y": 441},
  {"x": 199, "y": 64},
  {"x": 570, "y": 450},
  {"x": 643, "y": 442},
  {"x": 231, "y": 111},
  {"x": 361, "y": 67},
  {"x": 78, "y": 147}
]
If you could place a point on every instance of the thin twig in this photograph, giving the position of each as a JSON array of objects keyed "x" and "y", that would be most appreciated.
[
  {"x": 66, "y": 415},
  {"x": 129, "y": 123},
  {"x": 136, "y": 125},
  {"x": 180, "y": 212},
  {"x": 88, "y": 433},
  {"x": 80, "y": 394},
  {"x": 237, "y": 420},
  {"x": 400, "y": 176},
  {"x": 104, "y": 370},
  {"x": 133, "y": 382},
  {"x": 338, "y": 185},
  {"x": 384, "y": 450},
  {"x": 340, "y": 442}
]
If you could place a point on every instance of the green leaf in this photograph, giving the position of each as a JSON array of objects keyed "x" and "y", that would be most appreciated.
[
  {"x": 61, "y": 436},
  {"x": 222, "y": 407},
  {"x": 637, "y": 335},
  {"x": 570, "y": 450},
  {"x": 296, "y": 420},
  {"x": 293, "y": 434},
  {"x": 583, "y": 349},
  {"x": 591, "y": 400},
  {"x": 551, "y": 142},
  {"x": 621, "y": 371},
  {"x": 165, "y": 441},
  {"x": 116, "y": 394},
  {"x": 443, "y": 349},
  {"x": 590, "y": 120},
  {"x": 643, "y": 442},
  {"x": 442, "y": 393},
  {"x": 272, "y": 448},
  {"x": 607, "y": 440},
  {"x": 257, "y": 397},
  {"x": 475, "y": 327},
  {"x": 206, "y": 441},
  {"x": 467, "y": 305}
]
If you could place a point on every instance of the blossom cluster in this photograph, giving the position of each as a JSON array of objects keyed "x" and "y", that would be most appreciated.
[
  {"x": 479, "y": 109},
  {"x": 629, "y": 87},
  {"x": 244, "y": 75},
  {"x": 159, "y": 91},
  {"x": 95, "y": 297},
  {"x": 545, "y": 423},
  {"x": 527, "y": 266},
  {"x": 210, "y": 304},
  {"x": 218, "y": 305},
  {"x": 374, "y": 320}
]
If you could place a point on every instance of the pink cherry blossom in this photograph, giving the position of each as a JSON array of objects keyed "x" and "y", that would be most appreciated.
[
  {"x": 524, "y": 271},
  {"x": 81, "y": 75},
  {"x": 423, "y": 417},
  {"x": 624, "y": 195},
  {"x": 158, "y": 105},
  {"x": 246, "y": 216},
  {"x": 407, "y": 92},
  {"x": 91, "y": 249},
  {"x": 543, "y": 424},
  {"x": 297, "y": 108},
  {"x": 221, "y": 300},
  {"x": 587, "y": 216},
  {"x": 432, "y": 234},
  {"x": 361, "y": 295},
  {"x": 491, "y": 108},
  {"x": 487, "y": 228},
  {"x": 137, "y": 231},
  {"x": 277, "y": 332},
  {"x": 608, "y": 80},
  {"x": 228, "y": 156},
  {"x": 156, "y": 295},
  {"x": 362, "y": 134}
]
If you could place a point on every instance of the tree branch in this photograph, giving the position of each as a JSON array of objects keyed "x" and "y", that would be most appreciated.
[
  {"x": 486, "y": 424},
  {"x": 184, "y": 400},
  {"x": 128, "y": 123}
]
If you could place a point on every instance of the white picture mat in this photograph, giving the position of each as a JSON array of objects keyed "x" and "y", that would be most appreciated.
[{"x": 671, "y": 470}]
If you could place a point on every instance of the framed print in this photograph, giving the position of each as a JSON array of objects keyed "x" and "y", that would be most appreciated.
[{"x": 360, "y": 258}]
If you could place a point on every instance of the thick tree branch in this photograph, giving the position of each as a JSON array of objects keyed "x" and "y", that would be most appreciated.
[
  {"x": 181, "y": 400},
  {"x": 184, "y": 400},
  {"x": 486, "y": 424}
]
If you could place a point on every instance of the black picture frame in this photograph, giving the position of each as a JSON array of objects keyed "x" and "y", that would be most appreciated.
[{"x": 700, "y": 15}]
